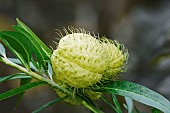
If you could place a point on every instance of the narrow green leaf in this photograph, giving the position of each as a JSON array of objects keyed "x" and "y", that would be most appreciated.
[
  {"x": 110, "y": 104},
  {"x": 36, "y": 47},
  {"x": 139, "y": 93},
  {"x": 34, "y": 37},
  {"x": 2, "y": 50},
  {"x": 116, "y": 102},
  {"x": 20, "y": 89},
  {"x": 23, "y": 81},
  {"x": 129, "y": 103},
  {"x": 18, "y": 44},
  {"x": 41, "y": 51},
  {"x": 14, "y": 76},
  {"x": 48, "y": 104}
]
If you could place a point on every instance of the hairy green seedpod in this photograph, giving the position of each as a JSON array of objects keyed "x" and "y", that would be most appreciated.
[{"x": 82, "y": 60}]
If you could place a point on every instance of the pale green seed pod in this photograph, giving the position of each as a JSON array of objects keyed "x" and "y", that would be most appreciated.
[{"x": 81, "y": 61}]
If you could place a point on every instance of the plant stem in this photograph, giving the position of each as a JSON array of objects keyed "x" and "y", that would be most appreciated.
[{"x": 53, "y": 84}]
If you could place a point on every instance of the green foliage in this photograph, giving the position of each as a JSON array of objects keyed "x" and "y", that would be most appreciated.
[
  {"x": 138, "y": 93},
  {"x": 21, "y": 27},
  {"x": 23, "y": 43},
  {"x": 49, "y": 104},
  {"x": 18, "y": 44},
  {"x": 23, "y": 81},
  {"x": 20, "y": 89},
  {"x": 14, "y": 76}
]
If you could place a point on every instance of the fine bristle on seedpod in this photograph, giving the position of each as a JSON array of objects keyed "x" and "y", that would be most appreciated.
[{"x": 82, "y": 60}]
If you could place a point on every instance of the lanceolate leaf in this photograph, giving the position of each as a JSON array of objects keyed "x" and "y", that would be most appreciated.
[
  {"x": 33, "y": 36},
  {"x": 24, "y": 43},
  {"x": 41, "y": 51},
  {"x": 41, "y": 56},
  {"x": 14, "y": 76},
  {"x": 23, "y": 81},
  {"x": 139, "y": 93},
  {"x": 48, "y": 104},
  {"x": 20, "y": 89},
  {"x": 18, "y": 44}
]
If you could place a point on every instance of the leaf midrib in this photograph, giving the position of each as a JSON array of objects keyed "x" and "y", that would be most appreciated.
[{"x": 152, "y": 99}]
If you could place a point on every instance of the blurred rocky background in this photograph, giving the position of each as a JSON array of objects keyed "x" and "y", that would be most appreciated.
[{"x": 142, "y": 25}]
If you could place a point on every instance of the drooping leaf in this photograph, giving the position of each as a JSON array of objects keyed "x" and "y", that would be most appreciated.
[
  {"x": 14, "y": 76},
  {"x": 18, "y": 44},
  {"x": 139, "y": 93},
  {"x": 20, "y": 89},
  {"x": 48, "y": 104},
  {"x": 116, "y": 102},
  {"x": 2, "y": 50},
  {"x": 129, "y": 103}
]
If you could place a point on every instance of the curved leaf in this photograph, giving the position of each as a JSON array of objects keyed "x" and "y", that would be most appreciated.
[
  {"x": 20, "y": 89},
  {"x": 41, "y": 51},
  {"x": 20, "y": 96},
  {"x": 48, "y": 104},
  {"x": 18, "y": 44},
  {"x": 33, "y": 37},
  {"x": 14, "y": 76},
  {"x": 139, "y": 93},
  {"x": 36, "y": 49}
]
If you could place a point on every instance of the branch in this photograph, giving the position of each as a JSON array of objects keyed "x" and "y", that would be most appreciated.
[{"x": 53, "y": 84}]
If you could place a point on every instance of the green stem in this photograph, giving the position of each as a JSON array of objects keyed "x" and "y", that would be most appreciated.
[{"x": 53, "y": 84}]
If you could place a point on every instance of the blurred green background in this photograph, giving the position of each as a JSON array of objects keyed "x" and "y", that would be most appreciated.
[{"x": 143, "y": 26}]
